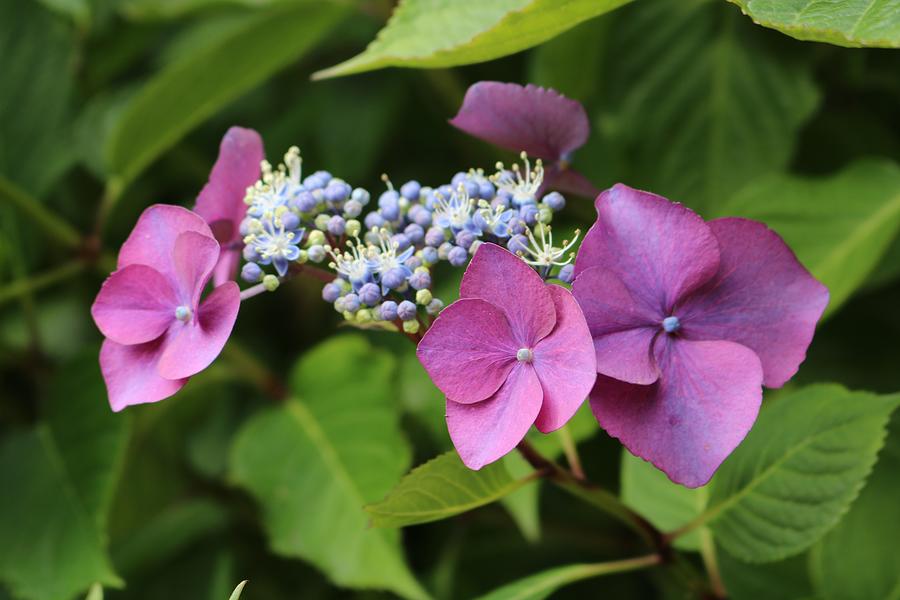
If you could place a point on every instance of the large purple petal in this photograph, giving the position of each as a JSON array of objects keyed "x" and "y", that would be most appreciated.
[
  {"x": 661, "y": 250},
  {"x": 221, "y": 201},
  {"x": 135, "y": 305},
  {"x": 761, "y": 297},
  {"x": 131, "y": 376},
  {"x": 485, "y": 431},
  {"x": 564, "y": 362},
  {"x": 506, "y": 281},
  {"x": 542, "y": 122},
  {"x": 468, "y": 351},
  {"x": 688, "y": 422},
  {"x": 194, "y": 258},
  {"x": 193, "y": 345},
  {"x": 152, "y": 240},
  {"x": 622, "y": 327}
]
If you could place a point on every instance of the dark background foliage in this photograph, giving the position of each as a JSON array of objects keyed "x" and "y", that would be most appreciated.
[{"x": 689, "y": 99}]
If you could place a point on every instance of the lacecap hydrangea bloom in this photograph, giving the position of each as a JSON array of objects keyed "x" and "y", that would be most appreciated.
[
  {"x": 158, "y": 330},
  {"x": 513, "y": 352},
  {"x": 689, "y": 319}
]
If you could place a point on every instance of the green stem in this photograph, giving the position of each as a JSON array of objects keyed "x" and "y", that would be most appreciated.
[
  {"x": 711, "y": 563},
  {"x": 37, "y": 212},
  {"x": 598, "y": 497},
  {"x": 23, "y": 287},
  {"x": 111, "y": 194},
  {"x": 571, "y": 452},
  {"x": 573, "y": 573}
]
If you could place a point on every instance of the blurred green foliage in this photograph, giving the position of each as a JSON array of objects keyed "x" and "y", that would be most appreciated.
[{"x": 107, "y": 106}]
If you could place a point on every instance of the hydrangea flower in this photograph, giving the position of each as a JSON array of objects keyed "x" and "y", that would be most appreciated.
[
  {"x": 511, "y": 353},
  {"x": 158, "y": 332},
  {"x": 539, "y": 121},
  {"x": 689, "y": 320},
  {"x": 221, "y": 201}
]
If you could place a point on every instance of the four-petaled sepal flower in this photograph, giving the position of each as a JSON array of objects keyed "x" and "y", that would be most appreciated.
[
  {"x": 158, "y": 331},
  {"x": 689, "y": 320},
  {"x": 511, "y": 353}
]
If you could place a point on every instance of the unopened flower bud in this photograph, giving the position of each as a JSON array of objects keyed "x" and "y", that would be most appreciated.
[{"x": 270, "y": 282}]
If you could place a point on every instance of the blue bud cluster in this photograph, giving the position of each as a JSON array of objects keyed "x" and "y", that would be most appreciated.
[{"x": 383, "y": 252}]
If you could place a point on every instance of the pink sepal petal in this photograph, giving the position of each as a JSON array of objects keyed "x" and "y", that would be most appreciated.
[
  {"x": 540, "y": 121},
  {"x": 660, "y": 250},
  {"x": 468, "y": 351},
  {"x": 485, "y": 431},
  {"x": 193, "y": 345},
  {"x": 135, "y": 305},
  {"x": 153, "y": 238},
  {"x": 221, "y": 201},
  {"x": 194, "y": 258},
  {"x": 761, "y": 297},
  {"x": 131, "y": 375},
  {"x": 506, "y": 281},
  {"x": 689, "y": 421},
  {"x": 564, "y": 363}
]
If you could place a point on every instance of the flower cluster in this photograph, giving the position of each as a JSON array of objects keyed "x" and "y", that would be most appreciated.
[{"x": 382, "y": 253}]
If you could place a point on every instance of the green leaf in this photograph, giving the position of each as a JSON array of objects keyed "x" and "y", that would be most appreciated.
[
  {"x": 313, "y": 464},
  {"x": 858, "y": 559},
  {"x": 95, "y": 593},
  {"x": 572, "y": 62},
  {"x": 850, "y": 23},
  {"x": 666, "y": 505},
  {"x": 151, "y": 10},
  {"x": 523, "y": 504},
  {"x": 236, "y": 594},
  {"x": 541, "y": 585},
  {"x": 444, "y": 33},
  {"x": 700, "y": 104},
  {"x": 839, "y": 241},
  {"x": 783, "y": 580},
  {"x": 194, "y": 88},
  {"x": 37, "y": 58},
  {"x": 441, "y": 488},
  {"x": 58, "y": 481},
  {"x": 797, "y": 471}
]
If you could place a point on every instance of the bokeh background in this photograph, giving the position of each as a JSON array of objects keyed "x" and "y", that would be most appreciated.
[{"x": 688, "y": 99}]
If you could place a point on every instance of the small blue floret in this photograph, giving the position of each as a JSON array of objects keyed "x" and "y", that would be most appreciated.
[{"x": 671, "y": 324}]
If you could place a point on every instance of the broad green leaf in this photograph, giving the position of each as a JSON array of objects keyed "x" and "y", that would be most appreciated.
[
  {"x": 58, "y": 480},
  {"x": 541, "y": 585},
  {"x": 37, "y": 59},
  {"x": 314, "y": 462},
  {"x": 151, "y": 10},
  {"x": 797, "y": 472},
  {"x": 523, "y": 504},
  {"x": 79, "y": 11},
  {"x": 194, "y": 88},
  {"x": 441, "y": 488},
  {"x": 839, "y": 240},
  {"x": 667, "y": 505},
  {"x": 699, "y": 104},
  {"x": 783, "y": 580},
  {"x": 236, "y": 594},
  {"x": 858, "y": 559},
  {"x": 444, "y": 33},
  {"x": 850, "y": 23}
]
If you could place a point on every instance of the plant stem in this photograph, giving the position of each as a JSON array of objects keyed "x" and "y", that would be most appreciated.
[
  {"x": 598, "y": 497},
  {"x": 23, "y": 287},
  {"x": 618, "y": 566},
  {"x": 711, "y": 563},
  {"x": 571, "y": 452},
  {"x": 30, "y": 206}
]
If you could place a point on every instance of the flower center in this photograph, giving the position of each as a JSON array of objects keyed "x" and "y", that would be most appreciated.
[
  {"x": 183, "y": 313},
  {"x": 671, "y": 324},
  {"x": 524, "y": 355}
]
